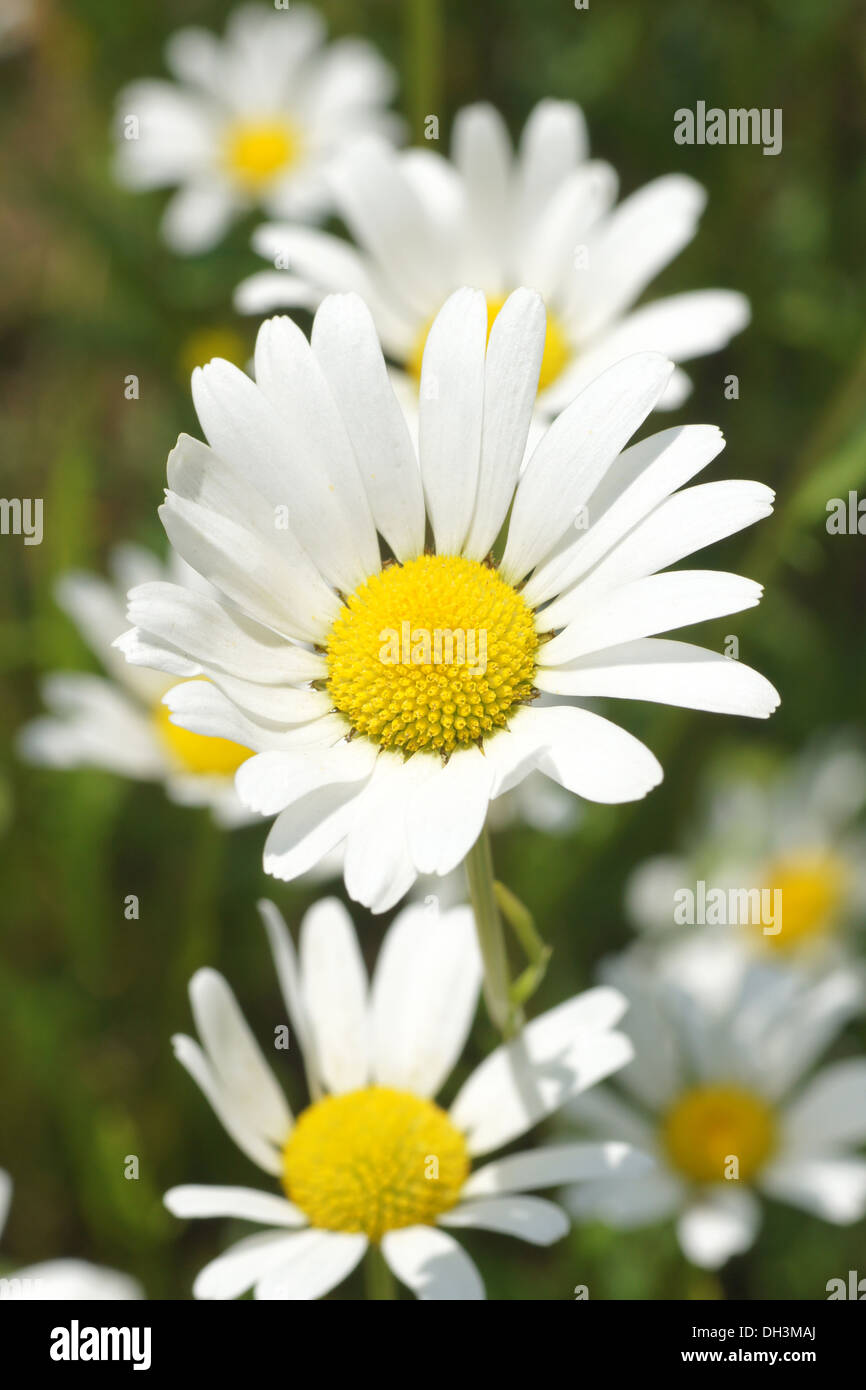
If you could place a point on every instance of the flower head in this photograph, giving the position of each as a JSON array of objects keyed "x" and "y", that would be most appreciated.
[
  {"x": 718, "y": 1094},
  {"x": 393, "y": 675},
  {"x": 545, "y": 217},
  {"x": 374, "y": 1158},
  {"x": 250, "y": 121}
]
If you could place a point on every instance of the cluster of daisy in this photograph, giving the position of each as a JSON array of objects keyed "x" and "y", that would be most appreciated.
[{"x": 450, "y": 448}]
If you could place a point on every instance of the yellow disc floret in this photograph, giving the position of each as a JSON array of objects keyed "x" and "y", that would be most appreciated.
[
  {"x": 557, "y": 349},
  {"x": 374, "y": 1160},
  {"x": 432, "y": 655},
  {"x": 255, "y": 152},
  {"x": 709, "y": 1126},
  {"x": 812, "y": 887},
  {"x": 198, "y": 753}
]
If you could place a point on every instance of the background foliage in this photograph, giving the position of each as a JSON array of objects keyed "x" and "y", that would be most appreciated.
[{"x": 89, "y": 1000}]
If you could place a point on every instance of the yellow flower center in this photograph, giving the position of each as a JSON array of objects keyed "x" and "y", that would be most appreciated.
[
  {"x": 255, "y": 152},
  {"x": 557, "y": 349},
  {"x": 373, "y": 1161},
  {"x": 812, "y": 887},
  {"x": 434, "y": 654},
  {"x": 199, "y": 753},
  {"x": 709, "y": 1126}
]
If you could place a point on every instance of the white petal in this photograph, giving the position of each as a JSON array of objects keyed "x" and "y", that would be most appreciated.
[
  {"x": 548, "y": 257},
  {"x": 204, "y": 630},
  {"x": 642, "y": 608},
  {"x": 553, "y": 142},
  {"x": 378, "y": 868},
  {"x": 231, "y": 1274},
  {"x": 288, "y": 974},
  {"x": 309, "y": 829},
  {"x": 425, "y": 992},
  {"x": 74, "y": 1281},
  {"x": 668, "y": 673},
  {"x": 645, "y": 474},
  {"x": 627, "y": 1202},
  {"x": 725, "y": 1223},
  {"x": 514, "y": 354},
  {"x": 574, "y": 454},
  {"x": 832, "y": 1188},
  {"x": 197, "y": 217},
  {"x": 313, "y": 1264},
  {"x": 432, "y": 1264},
  {"x": 347, "y": 348},
  {"x": 291, "y": 379},
  {"x": 449, "y": 813},
  {"x": 603, "y": 1112},
  {"x": 272, "y": 781},
  {"x": 529, "y": 1218},
  {"x": 236, "y": 1058},
  {"x": 556, "y": 1056},
  {"x": 831, "y": 1110},
  {"x": 334, "y": 985},
  {"x": 682, "y": 327},
  {"x": 481, "y": 152},
  {"x": 234, "y": 1122},
  {"x": 555, "y": 1165},
  {"x": 451, "y": 409},
  {"x": 241, "y": 1203},
  {"x": 582, "y": 751}
]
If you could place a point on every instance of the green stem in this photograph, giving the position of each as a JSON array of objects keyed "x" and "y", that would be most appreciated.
[
  {"x": 378, "y": 1279},
  {"x": 423, "y": 62},
  {"x": 491, "y": 938},
  {"x": 537, "y": 952}
]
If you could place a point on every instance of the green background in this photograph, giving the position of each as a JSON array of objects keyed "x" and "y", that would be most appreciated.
[{"x": 88, "y": 294}]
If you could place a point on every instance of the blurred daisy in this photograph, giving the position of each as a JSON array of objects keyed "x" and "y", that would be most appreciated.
[
  {"x": 374, "y": 742},
  {"x": 61, "y": 1280},
  {"x": 544, "y": 217},
  {"x": 119, "y": 722},
  {"x": 373, "y": 1160},
  {"x": 250, "y": 121},
  {"x": 791, "y": 837},
  {"x": 719, "y": 1094}
]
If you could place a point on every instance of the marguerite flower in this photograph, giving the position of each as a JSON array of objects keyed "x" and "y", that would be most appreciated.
[
  {"x": 250, "y": 121},
  {"x": 789, "y": 842},
  {"x": 545, "y": 217},
  {"x": 392, "y": 693},
  {"x": 61, "y": 1280},
  {"x": 373, "y": 1160},
  {"x": 119, "y": 723},
  {"x": 718, "y": 1095}
]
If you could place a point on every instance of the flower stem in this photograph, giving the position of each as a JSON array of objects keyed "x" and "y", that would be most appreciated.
[
  {"x": 491, "y": 938},
  {"x": 378, "y": 1279}
]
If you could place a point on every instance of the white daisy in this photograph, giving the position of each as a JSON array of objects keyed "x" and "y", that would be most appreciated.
[
  {"x": 373, "y": 1160},
  {"x": 119, "y": 722},
  {"x": 543, "y": 217},
  {"x": 396, "y": 754},
  {"x": 250, "y": 121},
  {"x": 718, "y": 1094},
  {"x": 793, "y": 837},
  {"x": 61, "y": 1280}
]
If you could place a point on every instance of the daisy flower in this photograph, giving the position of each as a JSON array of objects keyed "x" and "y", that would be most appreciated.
[
  {"x": 720, "y": 1095},
  {"x": 118, "y": 722},
  {"x": 791, "y": 837},
  {"x": 249, "y": 121},
  {"x": 373, "y": 1160},
  {"x": 545, "y": 217},
  {"x": 62, "y": 1280},
  {"x": 392, "y": 677}
]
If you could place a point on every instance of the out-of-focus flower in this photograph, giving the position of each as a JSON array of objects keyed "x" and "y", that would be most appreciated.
[
  {"x": 780, "y": 858},
  {"x": 119, "y": 722},
  {"x": 61, "y": 1280},
  {"x": 718, "y": 1094},
  {"x": 544, "y": 217},
  {"x": 250, "y": 120},
  {"x": 321, "y": 653},
  {"x": 373, "y": 1160}
]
